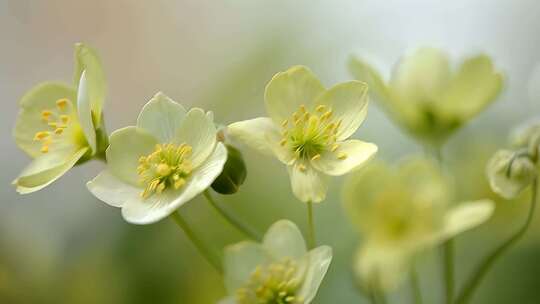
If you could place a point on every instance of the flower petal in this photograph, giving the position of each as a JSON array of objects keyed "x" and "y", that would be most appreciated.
[
  {"x": 364, "y": 72},
  {"x": 307, "y": 184},
  {"x": 47, "y": 168},
  {"x": 127, "y": 145},
  {"x": 284, "y": 240},
  {"x": 85, "y": 112},
  {"x": 288, "y": 90},
  {"x": 254, "y": 132},
  {"x": 87, "y": 59},
  {"x": 198, "y": 131},
  {"x": 349, "y": 104},
  {"x": 476, "y": 84},
  {"x": 111, "y": 190},
  {"x": 381, "y": 267},
  {"x": 159, "y": 206},
  {"x": 29, "y": 121},
  {"x": 240, "y": 260},
  {"x": 422, "y": 76},
  {"x": 509, "y": 174},
  {"x": 357, "y": 153},
  {"x": 162, "y": 117},
  {"x": 319, "y": 260},
  {"x": 228, "y": 300},
  {"x": 466, "y": 216}
]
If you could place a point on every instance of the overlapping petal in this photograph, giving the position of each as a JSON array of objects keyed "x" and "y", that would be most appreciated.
[
  {"x": 283, "y": 239},
  {"x": 162, "y": 117},
  {"x": 198, "y": 131},
  {"x": 255, "y": 133},
  {"x": 357, "y": 154},
  {"x": 87, "y": 59},
  {"x": 308, "y": 185}
]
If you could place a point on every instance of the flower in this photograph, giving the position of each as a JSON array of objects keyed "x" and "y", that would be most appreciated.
[
  {"x": 155, "y": 167},
  {"x": 308, "y": 129},
  {"x": 280, "y": 270},
  {"x": 509, "y": 173},
  {"x": 57, "y": 123},
  {"x": 428, "y": 99},
  {"x": 400, "y": 213}
]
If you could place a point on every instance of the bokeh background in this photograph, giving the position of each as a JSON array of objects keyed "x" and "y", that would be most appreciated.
[{"x": 61, "y": 245}]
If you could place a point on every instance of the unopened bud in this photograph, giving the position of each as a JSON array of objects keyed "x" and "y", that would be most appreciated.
[
  {"x": 510, "y": 172},
  {"x": 233, "y": 175}
]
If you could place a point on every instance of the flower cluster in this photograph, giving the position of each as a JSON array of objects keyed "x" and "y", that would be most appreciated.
[{"x": 173, "y": 154}]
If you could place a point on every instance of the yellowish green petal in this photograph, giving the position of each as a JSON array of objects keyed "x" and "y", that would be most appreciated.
[
  {"x": 43, "y": 97},
  {"x": 307, "y": 184},
  {"x": 422, "y": 76},
  {"x": 240, "y": 261},
  {"x": 318, "y": 260},
  {"x": 364, "y": 72},
  {"x": 475, "y": 85},
  {"x": 349, "y": 156},
  {"x": 466, "y": 216},
  {"x": 197, "y": 130},
  {"x": 348, "y": 102},
  {"x": 87, "y": 59},
  {"x": 284, "y": 240},
  {"x": 288, "y": 90},
  {"x": 47, "y": 168},
  {"x": 162, "y": 117},
  {"x": 254, "y": 133},
  {"x": 126, "y": 147}
]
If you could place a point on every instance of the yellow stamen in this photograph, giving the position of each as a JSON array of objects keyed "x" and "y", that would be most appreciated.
[
  {"x": 44, "y": 149},
  {"x": 320, "y": 108},
  {"x": 41, "y": 135},
  {"x": 58, "y": 131},
  {"x": 61, "y": 103},
  {"x": 285, "y": 123},
  {"x": 334, "y": 147},
  {"x": 163, "y": 169},
  {"x": 302, "y": 109},
  {"x": 341, "y": 156},
  {"x": 301, "y": 167},
  {"x": 316, "y": 157},
  {"x": 64, "y": 119},
  {"x": 283, "y": 142},
  {"x": 45, "y": 115}
]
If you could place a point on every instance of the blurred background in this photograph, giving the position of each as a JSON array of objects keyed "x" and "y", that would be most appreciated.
[{"x": 61, "y": 245}]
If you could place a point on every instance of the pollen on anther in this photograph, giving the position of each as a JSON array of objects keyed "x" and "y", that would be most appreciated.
[
  {"x": 64, "y": 119},
  {"x": 301, "y": 167},
  {"x": 41, "y": 135},
  {"x": 58, "y": 131},
  {"x": 45, "y": 115},
  {"x": 342, "y": 156},
  {"x": 285, "y": 123},
  {"x": 316, "y": 157},
  {"x": 61, "y": 103},
  {"x": 320, "y": 108},
  {"x": 283, "y": 142},
  {"x": 334, "y": 148},
  {"x": 44, "y": 149}
]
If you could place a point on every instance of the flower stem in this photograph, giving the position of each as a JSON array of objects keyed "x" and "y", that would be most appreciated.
[
  {"x": 473, "y": 283},
  {"x": 415, "y": 285},
  {"x": 203, "y": 250},
  {"x": 232, "y": 219},
  {"x": 448, "y": 256},
  {"x": 311, "y": 226}
]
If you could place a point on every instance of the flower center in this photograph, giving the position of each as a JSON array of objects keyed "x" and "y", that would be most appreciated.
[
  {"x": 310, "y": 134},
  {"x": 56, "y": 121},
  {"x": 276, "y": 283},
  {"x": 168, "y": 166}
]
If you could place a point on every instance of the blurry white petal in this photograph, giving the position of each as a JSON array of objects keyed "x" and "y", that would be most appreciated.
[
  {"x": 198, "y": 131},
  {"x": 318, "y": 262},
  {"x": 112, "y": 190},
  {"x": 283, "y": 239},
  {"x": 240, "y": 261}
]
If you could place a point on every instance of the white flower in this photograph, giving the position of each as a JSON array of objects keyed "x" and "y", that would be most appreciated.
[
  {"x": 57, "y": 123},
  {"x": 280, "y": 270},
  {"x": 400, "y": 213},
  {"x": 308, "y": 129},
  {"x": 155, "y": 167}
]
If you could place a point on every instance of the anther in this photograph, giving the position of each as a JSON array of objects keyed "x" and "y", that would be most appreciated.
[
  {"x": 44, "y": 149},
  {"x": 163, "y": 169},
  {"x": 61, "y": 103},
  {"x": 316, "y": 157},
  {"x": 301, "y": 167},
  {"x": 320, "y": 108},
  {"x": 334, "y": 148},
  {"x": 64, "y": 119},
  {"x": 303, "y": 108},
  {"x": 285, "y": 123},
  {"x": 341, "y": 156},
  {"x": 41, "y": 135},
  {"x": 45, "y": 115},
  {"x": 58, "y": 131}
]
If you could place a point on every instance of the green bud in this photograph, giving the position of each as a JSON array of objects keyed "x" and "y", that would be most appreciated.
[
  {"x": 510, "y": 172},
  {"x": 234, "y": 173}
]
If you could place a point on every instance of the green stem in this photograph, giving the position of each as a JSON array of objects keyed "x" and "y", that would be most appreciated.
[
  {"x": 448, "y": 256},
  {"x": 473, "y": 283},
  {"x": 415, "y": 285},
  {"x": 203, "y": 250},
  {"x": 232, "y": 219},
  {"x": 372, "y": 297},
  {"x": 381, "y": 297},
  {"x": 311, "y": 226}
]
